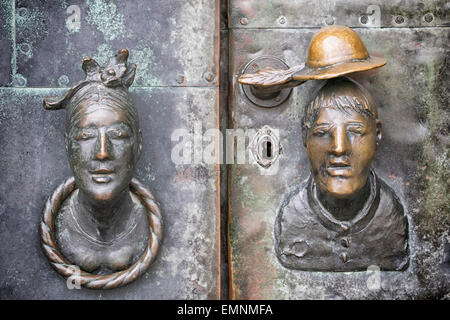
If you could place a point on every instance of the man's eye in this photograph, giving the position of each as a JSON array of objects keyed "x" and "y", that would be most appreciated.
[
  {"x": 84, "y": 135},
  {"x": 356, "y": 130},
  {"x": 320, "y": 132}
]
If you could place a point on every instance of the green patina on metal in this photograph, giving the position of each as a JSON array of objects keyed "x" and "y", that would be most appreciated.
[
  {"x": 21, "y": 96},
  {"x": 148, "y": 172},
  {"x": 238, "y": 261},
  {"x": 8, "y": 9},
  {"x": 435, "y": 170},
  {"x": 63, "y": 4},
  {"x": 106, "y": 18},
  {"x": 104, "y": 51},
  {"x": 149, "y": 70},
  {"x": 246, "y": 196},
  {"x": 28, "y": 21}
]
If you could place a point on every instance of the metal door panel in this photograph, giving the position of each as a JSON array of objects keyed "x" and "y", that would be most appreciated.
[
  {"x": 176, "y": 87},
  {"x": 6, "y": 42},
  {"x": 355, "y": 14},
  {"x": 412, "y": 159},
  {"x": 34, "y": 163},
  {"x": 166, "y": 39}
]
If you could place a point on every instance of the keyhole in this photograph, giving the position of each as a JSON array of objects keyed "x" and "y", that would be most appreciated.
[{"x": 269, "y": 149}]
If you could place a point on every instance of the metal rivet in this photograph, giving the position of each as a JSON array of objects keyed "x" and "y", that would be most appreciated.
[
  {"x": 180, "y": 78},
  {"x": 244, "y": 21},
  {"x": 364, "y": 19},
  {"x": 22, "y": 12},
  {"x": 344, "y": 227},
  {"x": 344, "y": 257},
  {"x": 209, "y": 76},
  {"x": 399, "y": 19},
  {"x": 282, "y": 20},
  {"x": 24, "y": 48},
  {"x": 329, "y": 20},
  {"x": 63, "y": 81},
  {"x": 111, "y": 72},
  {"x": 19, "y": 80},
  {"x": 428, "y": 17}
]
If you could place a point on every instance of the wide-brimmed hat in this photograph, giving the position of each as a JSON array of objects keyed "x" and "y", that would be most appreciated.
[{"x": 335, "y": 51}]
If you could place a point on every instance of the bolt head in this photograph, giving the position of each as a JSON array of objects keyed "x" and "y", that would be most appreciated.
[
  {"x": 180, "y": 79},
  {"x": 399, "y": 19},
  {"x": 428, "y": 17},
  {"x": 364, "y": 19},
  {"x": 209, "y": 76}
]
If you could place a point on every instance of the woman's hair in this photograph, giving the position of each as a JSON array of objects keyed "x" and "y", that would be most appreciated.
[
  {"x": 94, "y": 96},
  {"x": 104, "y": 87}
]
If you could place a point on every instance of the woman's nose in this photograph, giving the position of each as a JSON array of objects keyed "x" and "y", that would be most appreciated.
[
  {"x": 340, "y": 144},
  {"x": 102, "y": 151}
]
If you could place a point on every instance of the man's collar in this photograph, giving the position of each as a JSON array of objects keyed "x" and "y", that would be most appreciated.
[{"x": 360, "y": 221}]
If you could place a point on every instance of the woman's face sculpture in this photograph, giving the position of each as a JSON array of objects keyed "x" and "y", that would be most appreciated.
[
  {"x": 102, "y": 220},
  {"x": 103, "y": 149}
]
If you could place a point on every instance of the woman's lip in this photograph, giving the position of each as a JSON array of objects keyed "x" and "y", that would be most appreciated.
[
  {"x": 101, "y": 178},
  {"x": 102, "y": 175},
  {"x": 102, "y": 171}
]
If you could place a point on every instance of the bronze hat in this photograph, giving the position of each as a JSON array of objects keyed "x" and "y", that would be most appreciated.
[{"x": 335, "y": 51}]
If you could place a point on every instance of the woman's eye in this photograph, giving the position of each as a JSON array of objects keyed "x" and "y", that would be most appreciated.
[
  {"x": 84, "y": 135},
  {"x": 118, "y": 133}
]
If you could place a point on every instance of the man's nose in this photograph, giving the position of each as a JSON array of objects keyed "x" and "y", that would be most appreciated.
[
  {"x": 340, "y": 144},
  {"x": 102, "y": 151}
]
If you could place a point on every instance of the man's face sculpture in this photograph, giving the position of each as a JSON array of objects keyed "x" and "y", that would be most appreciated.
[
  {"x": 103, "y": 149},
  {"x": 342, "y": 139}
]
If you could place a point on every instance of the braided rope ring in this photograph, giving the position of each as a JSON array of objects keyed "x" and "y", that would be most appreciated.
[{"x": 86, "y": 279}]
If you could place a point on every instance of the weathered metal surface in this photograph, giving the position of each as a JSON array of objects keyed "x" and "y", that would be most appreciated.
[
  {"x": 223, "y": 111},
  {"x": 176, "y": 86},
  {"x": 355, "y": 14},
  {"x": 173, "y": 42},
  {"x": 6, "y": 41},
  {"x": 413, "y": 159},
  {"x": 34, "y": 163}
]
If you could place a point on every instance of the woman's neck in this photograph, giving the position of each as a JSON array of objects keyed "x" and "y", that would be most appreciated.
[
  {"x": 345, "y": 209},
  {"x": 106, "y": 221}
]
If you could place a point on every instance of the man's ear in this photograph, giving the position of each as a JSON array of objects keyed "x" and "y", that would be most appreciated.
[{"x": 379, "y": 130}]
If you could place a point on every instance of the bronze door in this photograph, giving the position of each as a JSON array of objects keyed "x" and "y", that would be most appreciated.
[
  {"x": 412, "y": 105},
  {"x": 176, "y": 87},
  {"x": 223, "y": 158}
]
